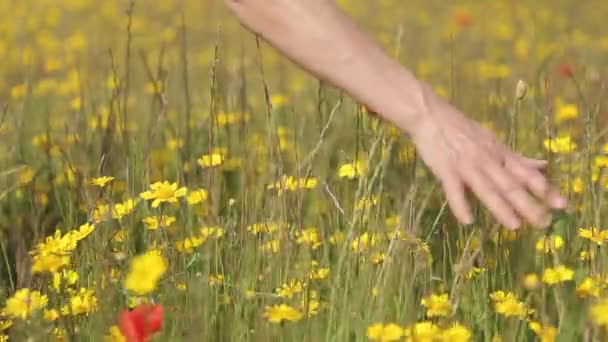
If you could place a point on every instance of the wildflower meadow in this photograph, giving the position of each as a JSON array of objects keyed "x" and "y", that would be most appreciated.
[{"x": 166, "y": 175}]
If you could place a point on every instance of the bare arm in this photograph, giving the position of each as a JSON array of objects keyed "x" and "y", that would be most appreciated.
[{"x": 323, "y": 40}]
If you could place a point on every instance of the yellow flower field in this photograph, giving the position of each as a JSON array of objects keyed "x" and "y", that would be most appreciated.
[{"x": 161, "y": 166}]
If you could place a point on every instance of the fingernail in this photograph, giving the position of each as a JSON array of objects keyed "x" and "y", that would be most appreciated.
[{"x": 559, "y": 202}]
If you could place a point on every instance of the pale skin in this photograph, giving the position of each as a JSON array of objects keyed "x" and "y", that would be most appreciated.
[{"x": 323, "y": 40}]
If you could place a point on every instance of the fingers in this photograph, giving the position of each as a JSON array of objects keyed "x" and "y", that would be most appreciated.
[
  {"x": 536, "y": 182},
  {"x": 513, "y": 190},
  {"x": 455, "y": 194},
  {"x": 534, "y": 163},
  {"x": 489, "y": 194}
]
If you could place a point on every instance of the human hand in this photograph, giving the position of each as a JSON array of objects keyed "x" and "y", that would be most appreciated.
[{"x": 462, "y": 154}]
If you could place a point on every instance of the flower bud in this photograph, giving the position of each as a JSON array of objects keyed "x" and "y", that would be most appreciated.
[{"x": 520, "y": 90}]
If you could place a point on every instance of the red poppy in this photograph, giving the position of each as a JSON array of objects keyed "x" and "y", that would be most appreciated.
[
  {"x": 139, "y": 324},
  {"x": 463, "y": 18},
  {"x": 565, "y": 70}
]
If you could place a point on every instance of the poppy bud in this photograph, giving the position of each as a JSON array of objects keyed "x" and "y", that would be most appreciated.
[{"x": 521, "y": 90}]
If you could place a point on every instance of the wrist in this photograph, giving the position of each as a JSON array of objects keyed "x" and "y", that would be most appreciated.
[{"x": 405, "y": 101}]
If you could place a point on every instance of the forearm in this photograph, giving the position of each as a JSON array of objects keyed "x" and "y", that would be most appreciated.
[{"x": 319, "y": 37}]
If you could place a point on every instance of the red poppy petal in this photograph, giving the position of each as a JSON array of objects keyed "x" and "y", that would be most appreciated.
[
  {"x": 146, "y": 320},
  {"x": 131, "y": 327},
  {"x": 155, "y": 318}
]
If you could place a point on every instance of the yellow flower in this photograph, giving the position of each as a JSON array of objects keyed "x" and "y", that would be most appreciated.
[
  {"x": 586, "y": 255},
  {"x": 120, "y": 235},
  {"x": 282, "y": 312},
  {"x": 216, "y": 279},
  {"x": 366, "y": 203},
  {"x": 250, "y": 294},
  {"x": 550, "y": 244},
  {"x": 82, "y": 232},
  {"x": 49, "y": 262},
  {"x": 561, "y": 273},
  {"x": 101, "y": 181},
  {"x": 456, "y": 333},
  {"x": 145, "y": 272},
  {"x": 114, "y": 335},
  {"x": 153, "y": 222},
  {"x": 490, "y": 71},
  {"x": 278, "y": 100},
  {"x": 175, "y": 143},
  {"x": 531, "y": 281},
  {"x": 593, "y": 234},
  {"x": 226, "y": 119},
  {"x": 385, "y": 333},
  {"x": 123, "y": 209},
  {"x": 290, "y": 183},
  {"x": 313, "y": 304},
  {"x": 423, "y": 332},
  {"x": 24, "y": 302},
  {"x": 189, "y": 244},
  {"x": 508, "y": 305},
  {"x": 70, "y": 278},
  {"x": 56, "y": 244},
  {"x": 271, "y": 246},
  {"x": 352, "y": 170},
  {"x": 197, "y": 196},
  {"x": 392, "y": 221},
  {"x": 50, "y": 315},
  {"x": 267, "y": 227},
  {"x": 211, "y": 160},
  {"x": 561, "y": 144},
  {"x": 213, "y": 232},
  {"x": 378, "y": 258},
  {"x": 288, "y": 290},
  {"x": 18, "y": 91},
  {"x": 54, "y": 253},
  {"x": 310, "y": 237},
  {"x": 589, "y": 287},
  {"x": 437, "y": 305},
  {"x": 101, "y": 213},
  {"x": 308, "y": 183},
  {"x": 4, "y": 324},
  {"x": 566, "y": 112},
  {"x": 26, "y": 175},
  {"x": 319, "y": 273},
  {"x": 577, "y": 185},
  {"x": 363, "y": 242},
  {"x": 600, "y": 162},
  {"x": 599, "y": 313},
  {"x": 545, "y": 333},
  {"x": 337, "y": 238},
  {"x": 162, "y": 192},
  {"x": 82, "y": 303},
  {"x": 154, "y": 87},
  {"x": 475, "y": 271}
]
